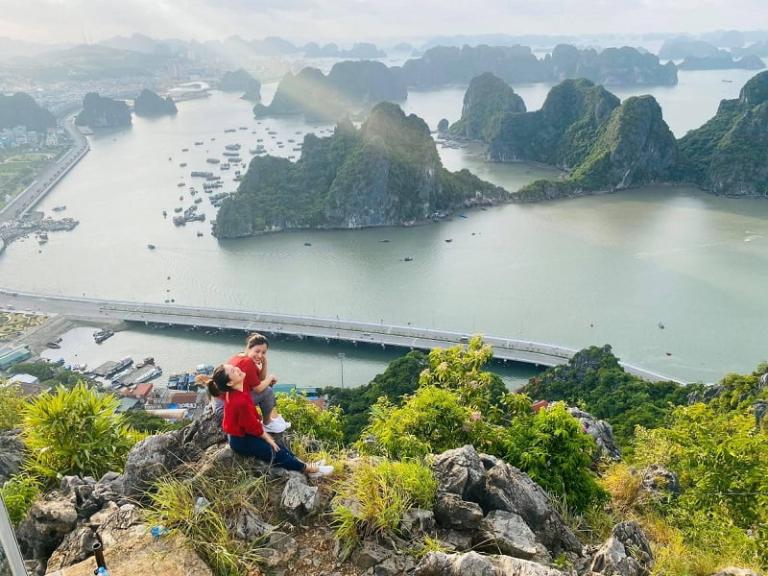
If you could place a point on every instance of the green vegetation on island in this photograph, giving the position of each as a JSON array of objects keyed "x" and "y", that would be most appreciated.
[
  {"x": 388, "y": 172},
  {"x": 102, "y": 112},
  {"x": 148, "y": 103},
  {"x": 240, "y": 80},
  {"x": 20, "y": 109},
  {"x": 487, "y": 100},
  {"x": 729, "y": 154},
  {"x": 348, "y": 88}
]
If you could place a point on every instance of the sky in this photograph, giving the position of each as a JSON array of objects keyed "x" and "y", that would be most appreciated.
[{"x": 77, "y": 21}]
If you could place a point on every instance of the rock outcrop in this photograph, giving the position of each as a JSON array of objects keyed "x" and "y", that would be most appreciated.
[
  {"x": 627, "y": 553},
  {"x": 240, "y": 80},
  {"x": 388, "y": 172},
  {"x": 20, "y": 109},
  {"x": 47, "y": 524},
  {"x": 148, "y": 103},
  {"x": 11, "y": 454},
  {"x": 102, "y": 112},
  {"x": 601, "y": 431},
  {"x": 442, "y": 564},
  {"x": 487, "y": 100}
]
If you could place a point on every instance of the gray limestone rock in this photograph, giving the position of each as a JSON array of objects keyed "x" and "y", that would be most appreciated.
[
  {"x": 507, "y": 533},
  {"x": 455, "y": 540},
  {"x": 627, "y": 552},
  {"x": 453, "y": 512},
  {"x": 299, "y": 500},
  {"x": 507, "y": 488},
  {"x": 76, "y": 547},
  {"x": 460, "y": 471},
  {"x": 249, "y": 527},
  {"x": 370, "y": 555},
  {"x": 150, "y": 459},
  {"x": 47, "y": 523},
  {"x": 601, "y": 431},
  {"x": 472, "y": 563},
  {"x": 280, "y": 549},
  {"x": 660, "y": 483},
  {"x": 12, "y": 454},
  {"x": 417, "y": 522}
]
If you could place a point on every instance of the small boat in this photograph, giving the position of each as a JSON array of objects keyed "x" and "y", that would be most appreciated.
[
  {"x": 198, "y": 143},
  {"x": 59, "y": 208},
  {"x": 198, "y": 200},
  {"x": 200, "y": 234},
  {"x": 463, "y": 216},
  {"x": 178, "y": 209},
  {"x": 307, "y": 243},
  {"x": 212, "y": 160},
  {"x": 384, "y": 241},
  {"x": 180, "y": 185},
  {"x": 53, "y": 345},
  {"x": 185, "y": 149},
  {"x": 661, "y": 326},
  {"x": 449, "y": 240},
  {"x": 151, "y": 246},
  {"x": 170, "y": 159},
  {"x": 407, "y": 259},
  {"x": 183, "y": 165},
  {"x": 165, "y": 214}
]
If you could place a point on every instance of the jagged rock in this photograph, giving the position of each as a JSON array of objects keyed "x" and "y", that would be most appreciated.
[
  {"x": 47, "y": 523},
  {"x": 299, "y": 499},
  {"x": 472, "y": 563},
  {"x": 733, "y": 571},
  {"x": 370, "y": 555},
  {"x": 705, "y": 393},
  {"x": 247, "y": 526},
  {"x": 759, "y": 409},
  {"x": 393, "y": 566},
  {"x": 117, "y": 522},
  {"x": 150, "y": 459},
  {"x": 280, "y": 549},
  {"x": 507, "y": 488},
  {"x": 76, "y": 547},
  {"x": 660, "y": 483},
  {"x": 12, "y": 454},
  {"x": 455, "y": 540},
  {"x": 203, "y": 432},
  {"x": 417, "y": 521},
  {"x": 460, "y": 471},
  {"x": 601, "y": 431},
  {"x": 453, "y": 512},
  {"x": 627, "y": 552},
  {"x": 507, "y": 533}
]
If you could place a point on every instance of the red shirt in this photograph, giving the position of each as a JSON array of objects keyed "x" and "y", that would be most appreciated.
[
  {"x": 240, "y": 417},
  {"x": 252, "y": 375}
]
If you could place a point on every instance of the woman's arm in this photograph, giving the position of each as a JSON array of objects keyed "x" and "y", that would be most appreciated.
[{"x": 269, "y": 440}]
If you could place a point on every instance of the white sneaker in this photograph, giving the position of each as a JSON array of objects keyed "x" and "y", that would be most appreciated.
[
  {"x": 276, "y": 426},
  {"x": 321, "y": 471}
]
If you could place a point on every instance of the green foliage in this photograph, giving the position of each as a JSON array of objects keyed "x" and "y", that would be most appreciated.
[
  {"x": 373, "y": 499},
  {"x": 401, "y": 377},
  {"x": 12, "y": 404},
  {"x": 230, "y": 493},
  {"x": 391, "y": 162},
  {"x": 143, "y": 421},
  {"x": 487, "y": 100},
  {"x": 308, "y": 419},
  {"x": 76, "y": 431},
  {"x": 48, "y": 374},
  {"x": 19, "y": 493},
  {"x": 594, "y": 380}
]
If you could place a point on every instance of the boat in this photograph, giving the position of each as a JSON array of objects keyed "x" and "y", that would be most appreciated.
[
  {"x": 407, "y": 259},
  {"x": 59, "y": 208},
  {"x": 198, "y": 143},
  {"x": 53, "y": 345},
  {"x": 661, "y": 326},
  {"x": 198, "y": 200},
  {"x": 183, "y": 165},
  {"x": 42, "y": 238},
  {"x": 151, "y": 246},
  {"x": 307, "y": 243},
  {"x": 179, "y": 221},
  {"x": 449, "y": 240},
  {"x": 148, "y": 360},
  {"x": 178, "y": 209},
  {"x": 101, "y": 335},
  {"x": 230, "y": 130},
  {"x": 185, "y": 149},
  {"x": 232, "y": 147},
  {"x": 212, "y": 160},
  {"x": 199, "y": 174},
  {"x": 180, "y": 185},
  {"x": 200, "y": 234}
]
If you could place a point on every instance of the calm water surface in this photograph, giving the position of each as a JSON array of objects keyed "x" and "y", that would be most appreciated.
[{"x": 597, "y": 270}]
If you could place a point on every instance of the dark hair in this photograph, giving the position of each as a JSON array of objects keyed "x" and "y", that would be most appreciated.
[
  {"x": 217, "y": 383},
  {"x": 256, "y": 339}
]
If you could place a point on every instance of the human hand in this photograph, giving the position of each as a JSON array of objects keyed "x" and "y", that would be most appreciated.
[{"x": 272, "y": 379}]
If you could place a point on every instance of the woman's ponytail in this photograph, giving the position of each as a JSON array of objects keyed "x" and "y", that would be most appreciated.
[{"x": 217, "y": 384}]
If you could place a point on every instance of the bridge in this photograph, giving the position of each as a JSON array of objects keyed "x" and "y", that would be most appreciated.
[{"x": 408, "y": 337}]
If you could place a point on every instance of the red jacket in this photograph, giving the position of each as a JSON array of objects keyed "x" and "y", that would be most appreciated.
[{"x": 240, "y": 417}]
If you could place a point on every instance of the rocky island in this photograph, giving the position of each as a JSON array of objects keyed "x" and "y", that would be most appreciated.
[
  {"x": 613, "y": 66},
  {"x": 101, "y": 112},
  {"x": 241, "y": 80},
  {"x": 487, "y": 100},
  {"x": 349, "y": 87},
  {"x": 20, "y": 109},
  {"x": 388, "y": 172},
  {"x": 722, "y": 61},
  {"x": 148, "y": 103}
]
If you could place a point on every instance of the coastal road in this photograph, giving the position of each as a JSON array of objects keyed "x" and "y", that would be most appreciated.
[
  {"x": 408, "y": 337},
  {"x": 48, "y": 178}
]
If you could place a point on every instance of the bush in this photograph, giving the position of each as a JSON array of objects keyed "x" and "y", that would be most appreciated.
[
  {"x": 12, "y": 404},
  {"x": 143, "y": 421},
  {"x": 431, "y": 421},
  {"x": 76, "y": 431},
  {"x": 373, "y": 499},
  {"x": 229, "y": 493},
  {"x": 307, "y": 419},
  {"x": 19, "y": 493}
]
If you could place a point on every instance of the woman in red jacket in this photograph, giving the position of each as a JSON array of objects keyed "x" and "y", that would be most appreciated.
[{"x": 243, "y": 426}]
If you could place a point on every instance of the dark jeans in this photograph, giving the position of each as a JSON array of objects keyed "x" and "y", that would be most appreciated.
[{"x": 258, "y": 448}]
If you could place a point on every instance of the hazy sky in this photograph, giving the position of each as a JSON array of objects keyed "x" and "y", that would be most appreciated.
[{"x": 346, "y": 20}]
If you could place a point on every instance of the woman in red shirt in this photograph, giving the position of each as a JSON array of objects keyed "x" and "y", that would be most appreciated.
[{"x": 243, "y": 426}]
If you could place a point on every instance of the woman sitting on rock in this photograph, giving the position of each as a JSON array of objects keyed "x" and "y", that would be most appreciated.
[{"x": 242, "y": 424}]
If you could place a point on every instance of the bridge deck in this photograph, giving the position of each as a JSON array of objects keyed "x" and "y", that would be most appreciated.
[{"x": 302, "y": 326}]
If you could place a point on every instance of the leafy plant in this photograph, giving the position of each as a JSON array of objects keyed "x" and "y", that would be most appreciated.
[
  {"x": 12, "y": 404},
  {"x": 308, "y": 419},
  {"x": 19, "y": 493},
  {"x": 374, "y": 497},
  {"x": 76, "y": 431}
]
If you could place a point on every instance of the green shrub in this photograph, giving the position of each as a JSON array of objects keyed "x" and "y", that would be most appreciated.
[
  {"x": 308, "y": 419},
  {"x": 373, "y": 499},
  {"x": 19, "y": 493},
  {"x": 431, "y": 421},
  {"x": 12, "y": 404},
  {"x": 228, "y": 492},
  {"x": 76, "y": 431},
  {"x": 143, "y": 421}
]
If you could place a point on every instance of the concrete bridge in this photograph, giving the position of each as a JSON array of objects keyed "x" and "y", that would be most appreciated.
[{"x": 408, "y": 337}]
